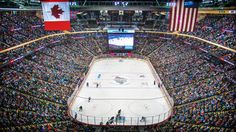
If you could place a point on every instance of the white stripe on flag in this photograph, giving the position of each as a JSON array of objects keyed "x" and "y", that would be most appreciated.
[
  {"x": 189, "y": 19},
  {"x": 181, "y": 16},
  {"x": 172, "y": 16},
  {"x": 194, "y": 18},
  {"x": 177, "y": 14},
  {"x": 185, "y": 19}
]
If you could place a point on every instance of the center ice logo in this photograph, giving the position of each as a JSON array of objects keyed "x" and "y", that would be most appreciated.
[{"x": 120, "y": 80}]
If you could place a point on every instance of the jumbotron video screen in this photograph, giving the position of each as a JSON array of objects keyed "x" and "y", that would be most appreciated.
[{"x": 121, "y": 40}]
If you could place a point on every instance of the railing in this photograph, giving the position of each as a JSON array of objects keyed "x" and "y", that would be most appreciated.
[
  {"x": 128, "y": 121},
  {"x": 125, "y": 55},
  {"x": 147, "y": 120},
  {"x": 84, "y": 32},
  {"x": 189, "y": 36},
  {"x": 44, "y": 37}
]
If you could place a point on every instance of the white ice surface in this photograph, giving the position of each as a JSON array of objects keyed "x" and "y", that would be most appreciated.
[{"x": 136, "y": 97}]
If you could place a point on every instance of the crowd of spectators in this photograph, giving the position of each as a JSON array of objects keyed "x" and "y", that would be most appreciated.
[
  {"x": 217, "y": 28},
  {"x": 146, "y": 44},
  {"x": 17, "y": 28},
  {"x": 203, "y": 89},
  {"x": 220, "y": 29},
  {"x": 36, "y": 86}
]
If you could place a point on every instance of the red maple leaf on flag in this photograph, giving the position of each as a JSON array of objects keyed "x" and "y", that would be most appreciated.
[{"x": 56, "y": 11}]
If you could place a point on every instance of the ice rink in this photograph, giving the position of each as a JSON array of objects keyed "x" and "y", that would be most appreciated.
[{"x": 120, "y": 84}]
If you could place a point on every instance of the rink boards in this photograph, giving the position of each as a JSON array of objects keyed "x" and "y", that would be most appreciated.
[{"x": 128, "y": 84}]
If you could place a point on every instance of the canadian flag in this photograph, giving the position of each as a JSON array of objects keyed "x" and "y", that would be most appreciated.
[{"x": 56, "y": 14}]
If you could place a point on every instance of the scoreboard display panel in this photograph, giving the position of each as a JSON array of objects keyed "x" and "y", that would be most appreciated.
[{"x": 120, "y": 39}]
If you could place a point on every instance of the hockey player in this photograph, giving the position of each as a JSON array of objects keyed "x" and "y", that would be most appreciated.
[
  {"x": 143, "y": 119},
  {"x": 80, "y": 108},
  {"x": 119, "y": 111},
  {"x": 111, "y": 120},
  {"x": 89, "y": 99},
  {"x": 75, "y": 115}
]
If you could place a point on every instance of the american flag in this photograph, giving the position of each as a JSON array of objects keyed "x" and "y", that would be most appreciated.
[{"x": 183, "y": 15}]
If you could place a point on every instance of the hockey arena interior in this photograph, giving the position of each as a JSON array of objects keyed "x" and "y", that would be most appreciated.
[{"x": 123, "y": 65}]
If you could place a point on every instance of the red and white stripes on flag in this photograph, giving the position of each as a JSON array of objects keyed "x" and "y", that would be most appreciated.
[
  {"x": 182, "y": 18},
  {"x": 56, "y": 14}
]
